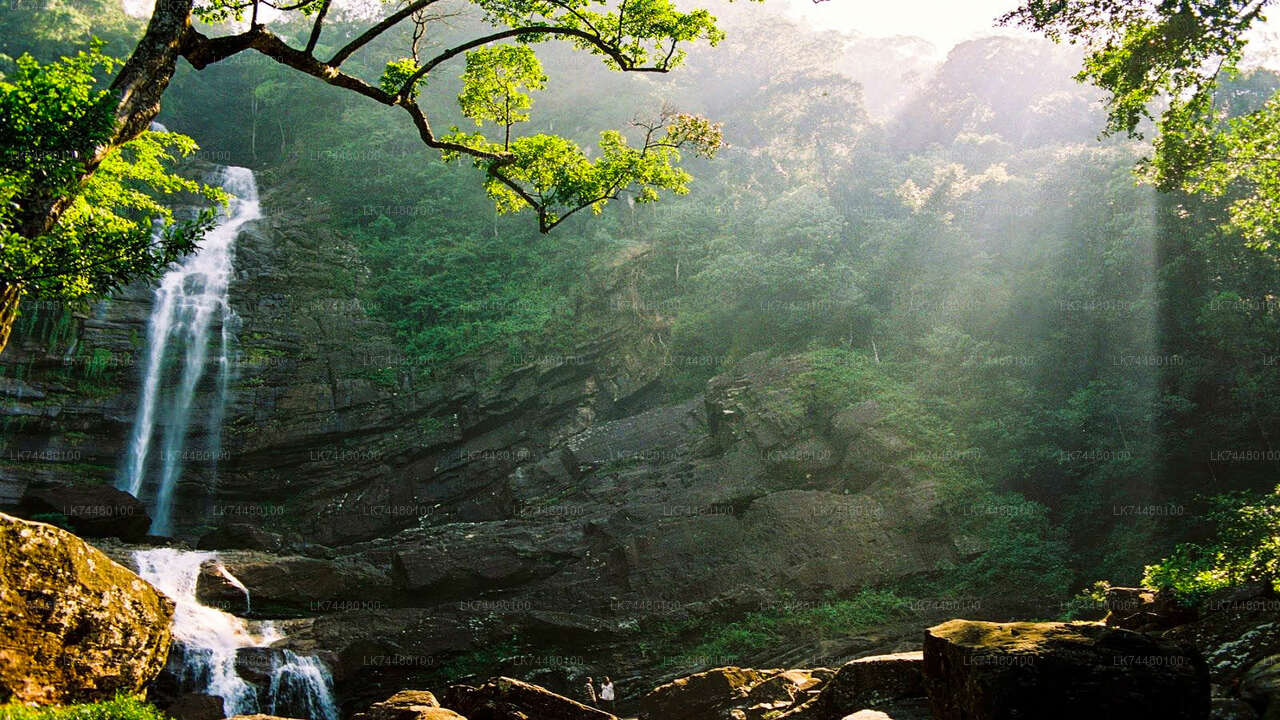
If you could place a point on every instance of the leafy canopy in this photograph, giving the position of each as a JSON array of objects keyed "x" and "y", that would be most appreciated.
[
  {"x": 547, "y": 173},
  {"x": 1245, "y": 550},
  {"x": 493, "y": 85},
  {"x": 1175, "y": 55},
  {"x": 553, "y": 173},
  {"x": 113, "y": 229}
]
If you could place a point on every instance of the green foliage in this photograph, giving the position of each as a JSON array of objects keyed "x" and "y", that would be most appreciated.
[
  {"x": 113, "y": 229},
  {"x": 56, "y": 519},
  {"x": 641, "y": 32},
  {"x": 554, "y": 175},
  {"x": 121, "y": 708},
  {"x": 787, "y": 621},
  {"x": 1089, "y": 604},
  {"x": 1020, "y": 548},
  {"x": 494, "y": 82},
  {"x": 1246, "y": 549},
  {"x": 398, "y": 75},
  {"x": 1176, "y": 56}
]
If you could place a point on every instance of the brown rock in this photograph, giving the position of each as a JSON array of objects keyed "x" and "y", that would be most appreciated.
[
  {"x": 871, "y": 682},
  {"x": 1145, "y": 610},
  {"x": 404, "y": 705},
  {"x": 241, "y": 536},
  {"x": 74, "y": 625},
  {"x": 284, "y": 585},
  {"x": 997, "y": 671},
  {"x": 704, "y": 695},
  {"x": 95, "y": 511},
  {"x": 195, "y": 706},
  {"x": 506, "y": 698}
]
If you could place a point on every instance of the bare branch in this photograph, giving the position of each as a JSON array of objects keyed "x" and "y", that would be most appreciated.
[
  {"x": 603, "y": 45},
  {"x": 315, "y": 29},
  {"x": 372, "y": 33}
]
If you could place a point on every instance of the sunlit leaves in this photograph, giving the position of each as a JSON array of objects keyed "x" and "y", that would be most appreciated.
[
  {"x": 639, "y": 32},
  {"x": 554, "y": 175},
  {"x": 1245, "y": 550},
  {"x": 52, "y": 117},
  {"x": 397, "y": 74},
  {"x": 215, "y": 11},
  {"x": 1246, "y": 156},
  {"x": 495, "y": 81},
  {"x": 1147, "y": 50},
  {"x": 1153, "y": 53}
]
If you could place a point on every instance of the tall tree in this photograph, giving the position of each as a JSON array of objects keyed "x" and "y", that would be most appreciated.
[
  {"x": 1173, "y": 55},
  {"x": 548, "y": 174}
]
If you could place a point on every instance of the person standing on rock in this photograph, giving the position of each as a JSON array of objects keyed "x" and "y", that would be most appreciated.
[
  {"x": 606, "y": 694},
  {"x": 591, "y": 692}
]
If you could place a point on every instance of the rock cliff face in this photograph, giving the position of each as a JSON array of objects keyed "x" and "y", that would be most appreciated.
[
  {"x": 403, "y": 524},
  {"x": 75, "y": 626}
]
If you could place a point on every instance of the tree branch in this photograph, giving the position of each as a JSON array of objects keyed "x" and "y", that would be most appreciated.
[
  {"x": 369, "y": 35},
  {"x": 315, "y": 29},
  {"x": 202, "y": 51},
  {"x": 624, "y": 62}
]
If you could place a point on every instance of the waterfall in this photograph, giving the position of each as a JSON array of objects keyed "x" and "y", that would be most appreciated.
[
  {"x": 188, "y": 299},
  {"x": 207, "y": 641},
  {"x": 301, "y": 684}
]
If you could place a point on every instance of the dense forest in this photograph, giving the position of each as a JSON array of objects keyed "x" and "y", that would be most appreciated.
[
  {"x": 1099, "y": 348},
  {"x": 1084, "y": 357}
]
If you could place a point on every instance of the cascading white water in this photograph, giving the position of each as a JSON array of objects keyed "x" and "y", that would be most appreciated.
[
  {"x": 209, "y": 637},
  {"x": 208, "y": 640},
  {"x": 190, "y": 296},
  {"x": 301, "y": 684}
]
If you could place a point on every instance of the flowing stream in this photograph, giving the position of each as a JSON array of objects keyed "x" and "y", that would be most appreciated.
[
  {"x": 188, "y": 301},
  {"x": 207, "y": 641}
]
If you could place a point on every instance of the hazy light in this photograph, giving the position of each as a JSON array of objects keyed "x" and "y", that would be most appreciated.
[{"x": 942, "y": 22}]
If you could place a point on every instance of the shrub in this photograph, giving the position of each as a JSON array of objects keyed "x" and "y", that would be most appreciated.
[
  {"x": 1246, "y": 549},
  {"x": 121, "y": 708}
]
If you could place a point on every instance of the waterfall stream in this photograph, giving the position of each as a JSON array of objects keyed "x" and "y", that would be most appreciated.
[
  {"x": 188, "y": 300},
  {"x": 207, "y": 641}
]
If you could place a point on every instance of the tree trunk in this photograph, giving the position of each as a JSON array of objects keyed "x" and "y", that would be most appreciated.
[
  {"x": 10, "y": 295},
  {"x": 139, "y": 86}
]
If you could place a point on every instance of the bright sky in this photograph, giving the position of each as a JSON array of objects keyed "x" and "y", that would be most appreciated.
[{"x": 942, "y": 22}]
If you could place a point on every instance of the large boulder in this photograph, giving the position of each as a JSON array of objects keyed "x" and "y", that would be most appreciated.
[
  {"x": 870, "y": 682},
  {"x": 996, "y": 671},
  {"x": 781, "y": 692},
  {"x": 1145, "y": 610},
  {"x": 289, "y": 585},
  {"x": 408, "y": 705},
  {"x": 76, "y": 626},
  {"x": 96, "y": 511},
  {"x": 708, "y": 694},
  {"x": 506, "y": 698},
  {"x": 1260, "y": 686}
]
